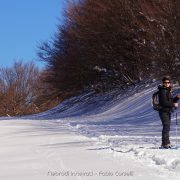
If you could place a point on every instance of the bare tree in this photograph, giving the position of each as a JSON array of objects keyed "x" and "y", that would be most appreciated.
[
  {"x": 117, "y": 42},
  {"x": 21, "y": 90}
]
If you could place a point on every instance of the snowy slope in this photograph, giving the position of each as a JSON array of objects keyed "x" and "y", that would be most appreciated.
[{"x": 116, "y": 132}]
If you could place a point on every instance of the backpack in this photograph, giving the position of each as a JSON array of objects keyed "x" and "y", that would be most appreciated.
[{"x": 155, "y": 101}]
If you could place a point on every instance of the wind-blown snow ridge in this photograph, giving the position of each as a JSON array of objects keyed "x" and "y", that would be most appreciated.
[{"x": 122, "y": 124}]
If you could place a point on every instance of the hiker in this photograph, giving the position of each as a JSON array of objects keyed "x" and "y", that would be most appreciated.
[{"x": 167, "y": 103}]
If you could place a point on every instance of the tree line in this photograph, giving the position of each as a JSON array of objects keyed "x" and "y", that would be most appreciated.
[
  {"x": 110, "y": 43},
  {"x": 101, "y": 44}
]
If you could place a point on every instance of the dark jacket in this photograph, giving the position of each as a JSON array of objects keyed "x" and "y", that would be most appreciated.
[{"x": 166, "y": 99}]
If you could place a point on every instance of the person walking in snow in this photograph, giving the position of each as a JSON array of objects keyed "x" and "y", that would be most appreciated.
[{"x": 167, "y": 103}]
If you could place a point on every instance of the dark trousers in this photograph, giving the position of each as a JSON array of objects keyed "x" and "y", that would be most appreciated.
[{"x": 166, "y": 122}]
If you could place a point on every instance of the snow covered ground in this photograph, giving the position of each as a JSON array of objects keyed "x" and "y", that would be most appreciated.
[{"x": 89, "y": 137}]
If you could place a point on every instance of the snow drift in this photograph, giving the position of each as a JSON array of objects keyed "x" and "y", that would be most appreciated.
[{"x": 116, "y": 127}]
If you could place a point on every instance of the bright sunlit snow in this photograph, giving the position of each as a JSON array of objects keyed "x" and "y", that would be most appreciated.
[{"x": 90, "y": 137}]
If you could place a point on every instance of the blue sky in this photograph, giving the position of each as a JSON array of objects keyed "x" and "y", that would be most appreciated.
[{"x": 24, "y": 24}]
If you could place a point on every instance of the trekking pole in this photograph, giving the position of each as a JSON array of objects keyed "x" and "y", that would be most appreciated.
[{"x": 176, "y": 129}]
